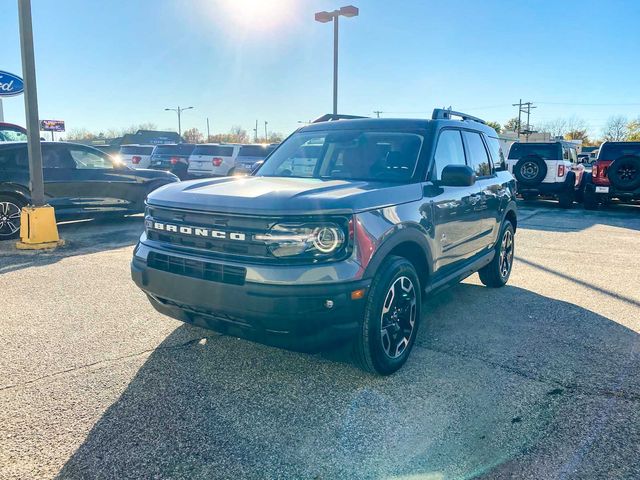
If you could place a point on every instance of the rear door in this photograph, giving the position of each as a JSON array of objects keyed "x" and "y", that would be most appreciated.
[
  {"x": 99, "y": 185},
  {"x": 61, "y": 183}
]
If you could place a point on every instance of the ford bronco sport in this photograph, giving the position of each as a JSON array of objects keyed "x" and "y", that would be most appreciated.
[
  {"x": 615, "y": 174},
  {"x": 547, "y": 168},
  {"x": 338, "y": 244}
]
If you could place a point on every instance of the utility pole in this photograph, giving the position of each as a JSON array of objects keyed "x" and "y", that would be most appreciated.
[
  {"x": 179, "y": 111},
  {"x": 265, "y": 131},
  {"x": 525, "y": 107},
  {"x": 1, "y": 112},
  {"x": 255, "y": 132},
  {"x": 377, "y": 112},
  {"x": 36, "y": 185},
  {"x": 208, "y": 133}
]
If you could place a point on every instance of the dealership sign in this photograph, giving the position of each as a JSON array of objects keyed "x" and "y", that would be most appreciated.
[
  {"x": 10, "y": 84},
  {"x": 52, "y": 125}
]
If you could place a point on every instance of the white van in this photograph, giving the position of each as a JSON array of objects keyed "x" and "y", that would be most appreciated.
[
  {"x": 136, "y": 156},
  {"x": 213, "y": 160}
]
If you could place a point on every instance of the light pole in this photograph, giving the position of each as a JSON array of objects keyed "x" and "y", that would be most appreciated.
[
  {"x": 265, "y": 131},
  {"x": 324, "y": 17},
  {"x": 179, "y": 112}
]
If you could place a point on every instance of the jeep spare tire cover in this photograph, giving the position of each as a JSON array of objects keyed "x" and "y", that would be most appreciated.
[
  {"x": 530, "y": 170},
  {"x": 624, "y": 172}
]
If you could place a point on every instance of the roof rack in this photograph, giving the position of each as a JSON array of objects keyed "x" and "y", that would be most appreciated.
[
  {"x": 447, "y": 113},
  {"x": 330, "y": 117}
]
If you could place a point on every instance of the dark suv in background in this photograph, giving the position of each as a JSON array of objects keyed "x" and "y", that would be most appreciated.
[
  {"x": 336, "y": 237},
  {"x": 173, "y": 158},
  {"x": 614, "y": 174},
  {"x": 79, "y": 181}
]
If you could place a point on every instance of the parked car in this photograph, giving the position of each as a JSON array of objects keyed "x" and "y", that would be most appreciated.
[
  {"x": 213, "y": 160},
  {"x": 172, "y": 157},
  {"x": 79, "y": 181},
  {"x": 546, "y": 168},
  {"x": 136, "y": 156},
  {"x": 10, "y": 132},
  {"x": 250, "y": 155},
  {"x": 614, "y": 174},
  {"x": 304, "y": 257}
]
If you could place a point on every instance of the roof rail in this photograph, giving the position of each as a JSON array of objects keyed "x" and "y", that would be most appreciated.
[
  {"x": 330, "y": 117},
  {"x": 447, "y": 113}
]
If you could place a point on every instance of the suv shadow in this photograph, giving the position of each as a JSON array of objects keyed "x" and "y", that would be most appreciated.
[
  {"x": 495, "y": 373},
  {"x": 81, "y": 238}
]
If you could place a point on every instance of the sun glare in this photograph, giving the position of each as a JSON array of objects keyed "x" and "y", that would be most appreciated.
[{"x": 256, "y": 14}]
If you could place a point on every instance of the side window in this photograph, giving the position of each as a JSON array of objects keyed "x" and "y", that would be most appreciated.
[
  {"x": 574, "y": 155},
  {"x": 565, "y": 153},
  {"x": 54, "y": 156},
  {"x": 478, "y": 157},
  {"x": 85, "y": 158},
  {"x": 448, "y": 152},
  {"x": 497, "y": 155},
  {"x": 13, "y": 158}
]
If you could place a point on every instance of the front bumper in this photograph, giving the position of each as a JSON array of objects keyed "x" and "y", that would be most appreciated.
[{"x": 288, "y": 315}]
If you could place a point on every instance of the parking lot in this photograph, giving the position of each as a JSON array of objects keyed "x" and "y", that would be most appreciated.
[{"x": 539, "y": 379}]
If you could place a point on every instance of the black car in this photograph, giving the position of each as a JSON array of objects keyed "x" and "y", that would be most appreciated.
[
  {"x": 79, "y": 181},
  {"x": 336, "y": 237},
  {"x": 173, "y": 158}
]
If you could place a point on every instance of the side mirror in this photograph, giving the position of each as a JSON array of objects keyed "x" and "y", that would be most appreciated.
[{"x": 458, "y": 176}]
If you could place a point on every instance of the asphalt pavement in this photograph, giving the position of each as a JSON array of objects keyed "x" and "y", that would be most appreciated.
[{"x": 540, "y": 379}]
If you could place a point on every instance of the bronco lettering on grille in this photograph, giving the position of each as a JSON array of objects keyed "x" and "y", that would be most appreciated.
[{"x": 194, "y": 231}]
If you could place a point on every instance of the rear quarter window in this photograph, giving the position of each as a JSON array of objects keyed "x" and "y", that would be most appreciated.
[{"x": 13, "y": 158}]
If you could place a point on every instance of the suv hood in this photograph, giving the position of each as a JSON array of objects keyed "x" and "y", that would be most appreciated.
[{"x": 283, "y": 195}]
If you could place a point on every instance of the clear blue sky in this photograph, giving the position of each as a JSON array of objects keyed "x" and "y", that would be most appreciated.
[{"x": 121, "y": 62}]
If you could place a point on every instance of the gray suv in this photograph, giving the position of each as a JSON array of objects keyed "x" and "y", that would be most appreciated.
[{"x": 337, "y": 236}]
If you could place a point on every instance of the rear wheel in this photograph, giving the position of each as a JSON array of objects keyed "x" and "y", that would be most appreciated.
[
  {"x": 497, "y": 273},
  {"x": 10, "y": 211},
  {"x": 530, "y": 170},
  {"x": 391, "y": 319},
  {"x": 566, "y": 198}
]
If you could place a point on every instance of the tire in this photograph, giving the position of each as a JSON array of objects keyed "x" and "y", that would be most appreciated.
[
  {"x": 530, "y": 170},
  {"x": 10, "y": 211},
  {"x": 496, "y": 274},
  {"x": 589, "y": 200},
  {"x": 391, "y": 319},
  {"x": 566, "y": 198},
  {"x": 624, "y": 172}
]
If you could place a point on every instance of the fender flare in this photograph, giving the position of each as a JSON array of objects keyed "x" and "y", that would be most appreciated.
[
  {"x": 399, "y": 235},
  {"x": 511, "y": 208},
  {"x": 16, "y": 190}
]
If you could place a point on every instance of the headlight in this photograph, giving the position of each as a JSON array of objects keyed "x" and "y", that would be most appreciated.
[{"x": 314, "y": 240}]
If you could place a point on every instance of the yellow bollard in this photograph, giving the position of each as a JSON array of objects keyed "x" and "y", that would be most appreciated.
[{"x": 38, "y": 229}]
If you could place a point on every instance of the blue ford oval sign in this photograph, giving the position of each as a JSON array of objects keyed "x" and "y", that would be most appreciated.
[{"x": 10, "y": 84}]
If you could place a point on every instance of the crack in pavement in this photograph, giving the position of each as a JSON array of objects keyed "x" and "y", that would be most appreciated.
[
  {"x": 569, "y": 387},
  {"x": 109, "y": 360}
]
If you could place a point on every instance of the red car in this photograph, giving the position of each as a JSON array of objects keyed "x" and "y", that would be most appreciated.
[{"x": 12, "y": 133}]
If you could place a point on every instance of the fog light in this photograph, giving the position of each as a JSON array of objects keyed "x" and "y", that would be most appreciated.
[{"x": 328, "y": 303}]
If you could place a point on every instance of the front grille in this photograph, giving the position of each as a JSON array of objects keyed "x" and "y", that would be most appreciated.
[{"x": 213, "y": 272}]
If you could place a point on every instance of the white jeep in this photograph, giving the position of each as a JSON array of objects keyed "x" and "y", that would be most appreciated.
[{"x": 547, "y": 168}]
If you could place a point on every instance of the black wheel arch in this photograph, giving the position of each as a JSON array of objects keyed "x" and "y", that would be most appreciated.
[
  {"x": 510, "y": 214},
  {"x": 409, "y": 243}
]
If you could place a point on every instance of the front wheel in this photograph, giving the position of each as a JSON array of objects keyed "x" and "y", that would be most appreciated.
[
  {"x": 566, "y": 198},
  {"x": 391, "y": 318},
  {"x": 10, "y": 213},
  {"x": 497, "y": 273},
  {"x": 589, "y": 200}
]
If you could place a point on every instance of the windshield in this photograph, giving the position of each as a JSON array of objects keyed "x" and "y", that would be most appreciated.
[
  {"x": 136, "y": 150},
  {"x": 182, "y": 149},
  {"x": 213, "y": 150},
  {"x": 544, "y": 150},
  {"x": 350, "y": 154},
  {"x": 11, "y": 135}
]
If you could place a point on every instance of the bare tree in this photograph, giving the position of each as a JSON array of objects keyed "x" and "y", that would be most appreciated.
[
  {"x": 193, "y": 135},
  {"x": 555, "y": 128},
  {"x": 616, "y": 129},
  {"x": 634, "y": 130}
]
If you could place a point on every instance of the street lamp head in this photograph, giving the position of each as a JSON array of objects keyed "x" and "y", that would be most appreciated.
[
  {"x": 324, "y": 17},
  {"x": 349, "y": 11},
  {"x": 188, "y": 108},
  {"x": 168, "y": 109}
]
